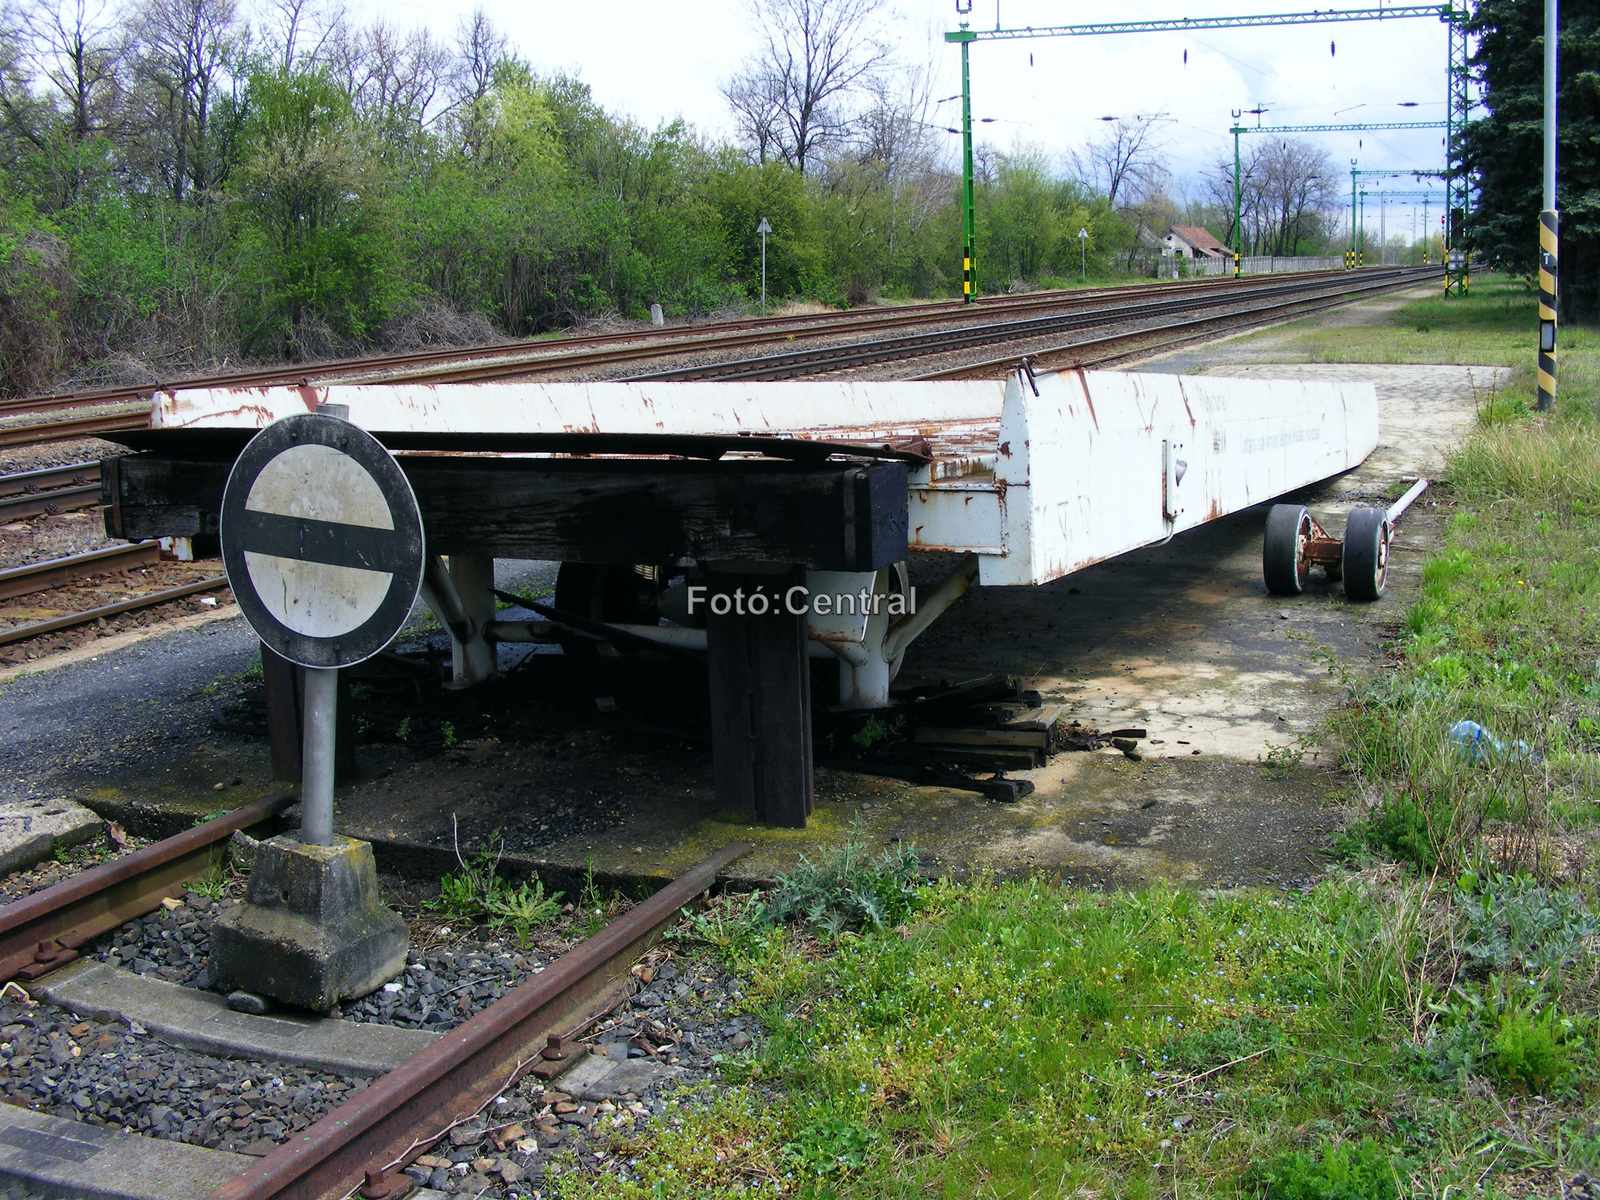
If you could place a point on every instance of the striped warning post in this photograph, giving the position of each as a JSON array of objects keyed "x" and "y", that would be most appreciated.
[{"x": 1549, "y": 240}]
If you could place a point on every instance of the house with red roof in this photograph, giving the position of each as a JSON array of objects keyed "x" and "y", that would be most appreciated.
[{"x": 1190, "y": 241}]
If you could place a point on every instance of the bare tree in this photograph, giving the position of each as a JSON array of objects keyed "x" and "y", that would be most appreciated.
[
  {"x": 1296, "y": 184},
  {"x": 186, "y": 50},
  {"x": 757, "y": 106},
  {"x": 1285, "y": 190},
  {"x": 77, "y": 47},
  {"x": 792, "y": 96},
  {"x": 1125, "y": 161},
  {"x": 301, "y": 32},
  {"x": 395, "y": 81},
  {"x": 481, "y": 49}
]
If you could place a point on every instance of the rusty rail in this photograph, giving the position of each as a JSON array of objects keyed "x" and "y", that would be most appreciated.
[
  {"x": 54, "y": 624},
  {"x": 44, "y": 930},
  {"x": 42, "y": 432},
  {"x": 26, "y": 505},
  {"x": 41, "y": 577},
  {"x": 45, "y": 479},
  {"x": 532, "y": 355},
  {"x": 400, "y": 1115},
  {"x": 1130, "y": 343}
]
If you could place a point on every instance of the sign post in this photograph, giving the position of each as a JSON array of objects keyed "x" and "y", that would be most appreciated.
[
  {"x": 322, "y": 543},
  {"x": 763, "y": 229},
  {"x": 1083, "y": 255}
]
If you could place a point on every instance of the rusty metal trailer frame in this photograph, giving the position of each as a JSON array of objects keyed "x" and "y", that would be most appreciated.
[{"x": 810, "y": 489}]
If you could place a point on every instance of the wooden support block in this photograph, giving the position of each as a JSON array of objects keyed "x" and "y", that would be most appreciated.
[
  {"x": 836, "y": 516},
  {"x": 760, "y": 701},
  {"x": 983, "y": 738},
  {"x": 996, "y": 758}
]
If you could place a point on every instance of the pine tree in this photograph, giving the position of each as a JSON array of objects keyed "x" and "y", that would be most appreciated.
[{"x": 1504, "y": 148}]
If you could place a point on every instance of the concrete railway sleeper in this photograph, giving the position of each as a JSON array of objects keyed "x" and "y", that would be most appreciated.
[{"x": 426, "y": 1083}]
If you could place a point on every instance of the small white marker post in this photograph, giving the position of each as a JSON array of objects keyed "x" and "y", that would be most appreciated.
[
  {"x": 1083, "y": 255},
  {"x": 763, "y": 229}
]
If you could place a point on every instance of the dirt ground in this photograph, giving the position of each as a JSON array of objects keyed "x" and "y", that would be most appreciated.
[{"x": 1181, "y": 640}]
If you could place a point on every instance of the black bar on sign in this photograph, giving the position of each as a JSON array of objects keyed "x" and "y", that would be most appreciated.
[{"x": 360, "y": 546}]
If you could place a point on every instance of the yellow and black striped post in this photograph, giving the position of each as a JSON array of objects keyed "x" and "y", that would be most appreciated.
[{"x": 1549, "y": 240}]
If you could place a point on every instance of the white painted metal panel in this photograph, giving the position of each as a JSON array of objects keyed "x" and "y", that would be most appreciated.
[
  {"x": 1038, "y": 485},
  {"x": 954, "y": 415},
  {"x": 1081, "y": 466}
]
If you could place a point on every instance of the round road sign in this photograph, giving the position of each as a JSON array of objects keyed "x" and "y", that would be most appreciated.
[{"x": 321, "y": 541}]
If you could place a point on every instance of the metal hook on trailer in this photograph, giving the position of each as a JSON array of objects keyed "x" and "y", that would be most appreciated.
[{"x": 1295, "y": 542}]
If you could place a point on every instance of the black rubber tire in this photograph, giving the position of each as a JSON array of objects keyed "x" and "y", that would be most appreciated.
[
  {"x": 1284, "y": 564},
  {"x": 1366, "y": 553},
  {"x": 603, "y": 592}
]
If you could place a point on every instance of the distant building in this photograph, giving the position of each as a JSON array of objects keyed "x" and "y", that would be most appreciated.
[{"x": 1190, "y": 241}]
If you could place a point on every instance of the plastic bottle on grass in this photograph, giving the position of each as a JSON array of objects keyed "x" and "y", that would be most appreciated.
[{"x": 1477, "y": 745}]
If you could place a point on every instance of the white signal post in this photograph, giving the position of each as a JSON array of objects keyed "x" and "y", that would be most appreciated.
[{"x": 763, "y": 229}]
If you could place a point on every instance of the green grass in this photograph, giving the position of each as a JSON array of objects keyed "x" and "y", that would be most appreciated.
[
  {"x": 1504, "y": 633},
  {"x": 1423, "y": 1027},
  {"x": 1494, "y": 326},
  {"x": 1024, "y": 1040}
]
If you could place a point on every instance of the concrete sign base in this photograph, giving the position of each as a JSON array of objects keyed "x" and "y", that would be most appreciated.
[{"x": 311, "y": 931}]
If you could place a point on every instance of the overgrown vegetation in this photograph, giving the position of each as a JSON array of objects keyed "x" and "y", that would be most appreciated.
[
  {"x": 1020, "y": 1039},
  {"x": 848, "y": 889},
  {"x": 1501, "y": 635},
  {"x": 477, "y": 892}
]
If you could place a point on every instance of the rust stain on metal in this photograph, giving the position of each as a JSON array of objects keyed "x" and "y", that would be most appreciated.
[
  {"x": 1185, "y": 398},
  {"x": 1083, "y": 382},
  {"x": 108, "y": 895}
]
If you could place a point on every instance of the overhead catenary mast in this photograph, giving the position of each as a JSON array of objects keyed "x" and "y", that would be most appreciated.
[{"x": 1456, "y": 75}]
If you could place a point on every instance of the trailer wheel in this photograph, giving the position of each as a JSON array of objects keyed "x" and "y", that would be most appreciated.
[
  {"x": 1366, "y": 553},
  {"x": 1284, "y": 563},
  {"x": 603, "y": 592}
]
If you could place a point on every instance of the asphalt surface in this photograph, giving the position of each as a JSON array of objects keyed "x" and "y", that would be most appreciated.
[{"x": 65, "y": 728}]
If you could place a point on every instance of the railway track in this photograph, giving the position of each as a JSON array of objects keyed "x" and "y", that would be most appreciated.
[
  {"x": 1146, "y": 314},
  {"x": 550, "y": 354},
  {"x": 1119, "y": 346},
  {"x": 366, "y": 1141},
  {"x": 61, "y": 572},
  {"x": 49, "y": 491}
]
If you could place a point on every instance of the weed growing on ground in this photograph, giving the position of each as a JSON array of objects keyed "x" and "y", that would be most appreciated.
[
  {"x": 848, "y": 889},
  {"x": 477, "y": 892},
  {"x": 1338, "y": 1171},
  {"x": 212, "y": 885}
]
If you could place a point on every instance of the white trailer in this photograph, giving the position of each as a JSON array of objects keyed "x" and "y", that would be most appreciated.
[{"x": 1019, "y": 481}]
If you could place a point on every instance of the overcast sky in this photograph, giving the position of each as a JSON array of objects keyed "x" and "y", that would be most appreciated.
[{"x": 656, "y": 61}]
